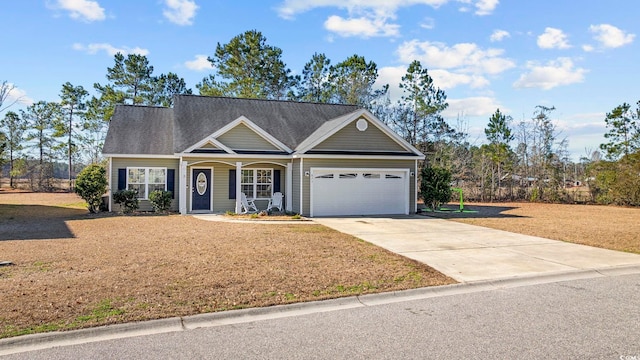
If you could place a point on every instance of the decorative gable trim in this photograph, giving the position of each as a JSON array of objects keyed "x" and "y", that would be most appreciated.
[
  {"x": 209, "y": 140},
  {"x": 255, "y": 128},
  {"x": 349, "y": 120}
]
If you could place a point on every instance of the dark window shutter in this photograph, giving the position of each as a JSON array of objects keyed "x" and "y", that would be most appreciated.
[
  {"x": 276, "y": 181},
  {"x": 232, "y": 184},
  {"x": 171, "y": 174},
  {"x": 122, "y": 179}
]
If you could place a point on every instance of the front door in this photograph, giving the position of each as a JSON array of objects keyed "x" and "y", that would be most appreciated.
[{"x": 201, "y": 190}]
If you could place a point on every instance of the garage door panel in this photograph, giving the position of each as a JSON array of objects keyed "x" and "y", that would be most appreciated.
[{"x": 359, "y": 192}]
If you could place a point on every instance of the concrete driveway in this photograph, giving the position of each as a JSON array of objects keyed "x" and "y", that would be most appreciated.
[{"x": 471, "y": 253}]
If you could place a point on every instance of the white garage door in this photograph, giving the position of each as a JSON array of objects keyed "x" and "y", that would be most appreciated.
[{"x": 359, "y": 192}]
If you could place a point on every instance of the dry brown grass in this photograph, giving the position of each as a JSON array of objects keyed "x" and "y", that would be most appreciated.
[
  {"x": 75, "y": 270},
  {"x": 609, "y": 227}
]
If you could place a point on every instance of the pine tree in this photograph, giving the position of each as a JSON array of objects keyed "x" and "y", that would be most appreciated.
[
  {"x": 14, "y": 126},
  {"x": 73, "y": 107},
  {"x": 249, "y": 68}
]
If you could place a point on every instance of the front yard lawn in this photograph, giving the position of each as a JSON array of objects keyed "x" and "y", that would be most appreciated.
[{"x": 75, "y": 270}]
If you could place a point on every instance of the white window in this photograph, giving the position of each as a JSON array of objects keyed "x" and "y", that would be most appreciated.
[
  {"x": 146, "y": 180},
  {"x": 257, "y": 183}
]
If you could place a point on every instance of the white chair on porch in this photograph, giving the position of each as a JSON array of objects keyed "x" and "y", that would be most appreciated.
[
  {"x": 275, "y": 202},
  {"x": 247, "y": 206}
]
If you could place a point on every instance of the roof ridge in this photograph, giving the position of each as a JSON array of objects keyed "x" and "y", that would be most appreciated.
[
  {"x": 145, "y": 106},
  {"x": 267, "y": 100}
]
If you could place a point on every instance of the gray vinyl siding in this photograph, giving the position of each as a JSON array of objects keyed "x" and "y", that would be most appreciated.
[
  {"x": 243, "y": 138},
  {"x": 122, "y": 163},
  {"x": 356, "y": 163},
  {"x": 350, "y": 138},
  {"x": 221, "y": 201}
]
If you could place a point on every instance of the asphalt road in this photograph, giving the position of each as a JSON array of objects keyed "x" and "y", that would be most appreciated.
[{"x": 595, "y": 318}]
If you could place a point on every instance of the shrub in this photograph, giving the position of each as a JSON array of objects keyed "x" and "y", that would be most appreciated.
[
  {"x": 127, "y": 199},
  {"x": 160, "y": 200},
  {"x": 91, "y": 184},
  {"x": 435, "y": 186}
]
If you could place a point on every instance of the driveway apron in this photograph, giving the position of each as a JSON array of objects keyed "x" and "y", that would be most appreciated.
[{"x": 471, "y": 253}]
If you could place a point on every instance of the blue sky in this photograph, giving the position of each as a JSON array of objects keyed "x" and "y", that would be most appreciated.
[{"x": 580, "y": 56}]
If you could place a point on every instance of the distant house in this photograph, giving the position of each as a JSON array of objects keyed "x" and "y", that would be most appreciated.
[{"x": 326, "y": 159}]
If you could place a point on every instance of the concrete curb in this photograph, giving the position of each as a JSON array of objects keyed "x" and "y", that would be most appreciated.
[
  {"x": 272, "y": 312},
  {"x": 65, "y": 338},
  {"x": 74, "y": 337}
]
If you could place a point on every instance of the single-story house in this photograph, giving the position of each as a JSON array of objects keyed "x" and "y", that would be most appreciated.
[{"x": 326, "y": 159}]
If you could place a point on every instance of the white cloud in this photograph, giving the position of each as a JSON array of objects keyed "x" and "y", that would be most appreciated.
[
  {"x": 180, "y": 12},
  {"x": 472, "y": 106},
  {"x": 16, "y": 96},
  {"x": 362, "y": 26},
  {"x": 553, "y": 38},
  {"x": 290, "y": 8},
  {"x": 486, "y": 7},
  {"x": 200, "y": 63},
  {"x": 555, "y": 73},
  {"x": 372, "y": 10},
  {"x": 466, "y": 57},
  {"x": 428, "y": 23},
  {"x": 391, "y": 75},
  {"x": 448, "y": 80},
  {"x": 610, "y": 36},
  {"x": 84, "y": 10},
  {"x": 585, "y": 132},
  {"x": 581, "y": 124},
  {"x": 483, "y": 7},
  {"x": 588, "y": 48},
  {"x": 443, "y": 79},
  {"x": 499, "y": 35},
  {"x": 111, "y": 50}
]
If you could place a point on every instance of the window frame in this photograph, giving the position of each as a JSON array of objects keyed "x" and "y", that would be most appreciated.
[
  {"x": 147, "y": 178},
  {"x": 254, "y": 183}
]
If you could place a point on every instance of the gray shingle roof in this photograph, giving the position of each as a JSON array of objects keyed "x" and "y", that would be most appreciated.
[
  {"x": 290, "y": 122},
  {"x": 164, "y": 131},
  {"x": 137, "y": 129}
]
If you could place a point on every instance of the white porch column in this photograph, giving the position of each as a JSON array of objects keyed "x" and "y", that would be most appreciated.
[
  {"x": 288, "y": 179},
  {"x": 238, "y": 187},
  {"x": 301, "y": 185},
  {"x": 182, "y": 184},
  {"x": 110, "y": 184}
]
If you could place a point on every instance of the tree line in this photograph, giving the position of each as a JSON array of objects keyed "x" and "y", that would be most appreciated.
[{"x": 520, "y": 160}]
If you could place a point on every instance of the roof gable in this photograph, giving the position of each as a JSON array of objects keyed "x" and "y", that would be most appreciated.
[
  {"x": 350, "y": 137},
  {"x": 238, "y": 136},
  {"x": 344, "y": 134}
]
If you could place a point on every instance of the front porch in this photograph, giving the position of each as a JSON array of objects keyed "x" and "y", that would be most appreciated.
[{"x": 209, "y": 185}]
